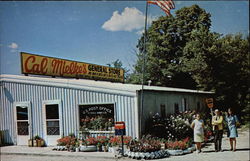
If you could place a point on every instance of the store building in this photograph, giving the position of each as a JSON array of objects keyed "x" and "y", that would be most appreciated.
[{"x": 55, "y": 107}]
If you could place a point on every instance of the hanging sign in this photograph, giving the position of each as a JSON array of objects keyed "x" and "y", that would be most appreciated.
[
  {"x": 210, "y": 103},
  {"x": 49, "y": 66}
]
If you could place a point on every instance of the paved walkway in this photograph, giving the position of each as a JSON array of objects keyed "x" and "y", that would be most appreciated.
[
  {"x": 35, "y": 153},
  {"x": 47, "y": 151},
  {"x": 242, "y": 153}
]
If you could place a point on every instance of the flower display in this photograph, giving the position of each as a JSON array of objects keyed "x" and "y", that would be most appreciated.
[
  {"x": 182, "y": 145},
  {"x": 90, "y": 141},
  {"x": 102, "y": 140},
  {"x": 146, "y": 144},
  {"x": 97, "y": 123},
  {"x": 66, "y": 141},
  {"x": 172, "y": 127},
  {"x": 116, "y": 140}
]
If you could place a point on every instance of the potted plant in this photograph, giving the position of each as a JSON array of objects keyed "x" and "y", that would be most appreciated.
[
  {"x": 89, "y": 144},
  {"x": 114, "y": 142},
  {"x": 105, "y": 147},
  {"x": 102, "y": 142},
  {"x": 66, "y": 142},
  {"x": 39, "y": 142},
  {"x": 77, "y": 146}
]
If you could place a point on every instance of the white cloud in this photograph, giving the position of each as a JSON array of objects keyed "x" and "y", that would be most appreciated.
[
  {"x": 13, "y": 46},
  {"x": 130, "y": 19},
  {"x": 140, "y": 32}
]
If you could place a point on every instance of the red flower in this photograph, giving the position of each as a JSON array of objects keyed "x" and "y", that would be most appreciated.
[{"x": 91, "y": 141}]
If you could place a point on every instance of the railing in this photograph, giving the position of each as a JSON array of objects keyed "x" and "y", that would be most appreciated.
[{"x": 92, "y": 133}]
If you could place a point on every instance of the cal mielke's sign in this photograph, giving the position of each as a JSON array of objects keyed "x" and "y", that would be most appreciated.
[{"x": 42, "y": 65}]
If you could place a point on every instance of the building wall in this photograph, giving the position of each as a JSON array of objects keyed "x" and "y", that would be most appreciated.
[
  {"x": 11, "y": 93},
  {"x": 154, "y": 99}
]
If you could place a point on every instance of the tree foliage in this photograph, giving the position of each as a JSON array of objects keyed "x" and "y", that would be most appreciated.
[
  {"x": 181, "y": 51},
  {"x": 118, "y": 64}
]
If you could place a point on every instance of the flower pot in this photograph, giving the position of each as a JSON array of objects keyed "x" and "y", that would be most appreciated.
[
  {"x": 99, "y": 148},
  {"x": 88, "y": 148},
  {"x": 42, "y": 143},
  {"x": 105, "y": 148},
  {"x": 30, "y": 142},
  {"x": 113, "y": 149},
  {"x": 34, "y": 143},
  {"x": 38, "y": 143}
]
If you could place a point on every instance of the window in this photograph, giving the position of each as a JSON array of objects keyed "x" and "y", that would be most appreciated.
[
  {"x": 22, "y": 120},
  {"x": 163, "y": 111},
  {"x": 176, "y": 108},
  {"x": 52, "y": 119},
  {"x": 198, "y": 106},
  {"x": 184, "y": 104},
  {"x": 98, "y": 117}
]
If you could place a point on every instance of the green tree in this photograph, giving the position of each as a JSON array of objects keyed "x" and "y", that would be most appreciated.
[
  {"x": 220, "y": 64},
  {"x": 166, "y": 39},
  {"x": 118, "y": 64},
  {"x": 182, "y": 52}
]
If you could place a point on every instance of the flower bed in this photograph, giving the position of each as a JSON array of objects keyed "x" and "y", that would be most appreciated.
[{"x": 146, "y": 148}]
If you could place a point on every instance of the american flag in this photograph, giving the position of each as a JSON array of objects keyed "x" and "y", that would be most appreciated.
[{"x": 165, "y": 5}]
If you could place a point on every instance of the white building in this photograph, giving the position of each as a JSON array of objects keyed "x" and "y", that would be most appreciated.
[{"x": 50, "y": 107}]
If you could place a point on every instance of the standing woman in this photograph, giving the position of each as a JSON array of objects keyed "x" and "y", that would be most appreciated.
[
  {"x": 232, "y": 121},
  {"x": 198, "y": 126}
]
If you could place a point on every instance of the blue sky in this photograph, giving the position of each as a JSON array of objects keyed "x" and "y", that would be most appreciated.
[{"x": 96, "y": 32}]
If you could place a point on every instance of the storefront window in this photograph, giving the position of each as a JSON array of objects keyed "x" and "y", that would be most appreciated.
[{"x": 98, "y": 117}]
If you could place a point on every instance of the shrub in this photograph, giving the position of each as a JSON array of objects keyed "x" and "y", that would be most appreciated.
[
  {"x": 173, "y": 127},
  {"x": 67, "y": 141}
]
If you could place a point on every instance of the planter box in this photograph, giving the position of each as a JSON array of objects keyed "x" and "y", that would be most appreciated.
[
  {"x": 39, "y": 143},
  {"x": 89, "y": 148}
]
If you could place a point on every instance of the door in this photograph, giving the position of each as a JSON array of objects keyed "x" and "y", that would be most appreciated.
[
  {"x": 22, "y": 115},
  {"x": 52, "y": 122}
]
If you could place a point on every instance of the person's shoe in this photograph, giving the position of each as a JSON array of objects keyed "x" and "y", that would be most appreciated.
[
  {"x": 216, "y": 150},
  {"x": 231, "y": 149},
  {"x": 221, "y": 150},
  {"x": 234, "y": 150}
]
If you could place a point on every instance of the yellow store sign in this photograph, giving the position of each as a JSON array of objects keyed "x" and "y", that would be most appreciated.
[{"x": 41, "y": 65}]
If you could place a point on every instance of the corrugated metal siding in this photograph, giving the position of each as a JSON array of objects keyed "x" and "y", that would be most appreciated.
[{"x": 71, "y": 98}]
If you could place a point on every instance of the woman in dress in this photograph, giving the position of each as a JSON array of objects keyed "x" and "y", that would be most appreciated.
[
  {"x": 232, "y": 120},
  {"x": 198, "y": 126}
]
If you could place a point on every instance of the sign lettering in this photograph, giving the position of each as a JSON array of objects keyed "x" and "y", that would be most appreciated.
[{"x": 41, "y": 65}]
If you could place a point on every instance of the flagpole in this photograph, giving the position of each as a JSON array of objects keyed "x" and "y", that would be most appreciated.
[{"x": 143, "y": 66}]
